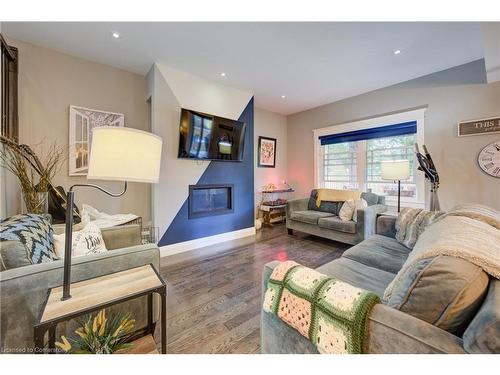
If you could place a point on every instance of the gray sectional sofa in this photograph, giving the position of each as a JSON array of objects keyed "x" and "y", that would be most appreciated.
[
  {"x": 304, "y": 216},
  {"x": 24, "y": 289},
  {"x": 450, "y": 305}
]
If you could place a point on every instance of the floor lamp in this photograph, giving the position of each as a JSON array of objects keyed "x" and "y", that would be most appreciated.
[
  {"x": 116, "y": 154},
  {"x": 396, "y": 171}
]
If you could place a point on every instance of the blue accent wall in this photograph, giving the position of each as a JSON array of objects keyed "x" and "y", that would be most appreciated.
[{"x": 241, "y": 174}]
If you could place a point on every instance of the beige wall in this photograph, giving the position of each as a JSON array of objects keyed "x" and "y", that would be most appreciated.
[
  {"x": 448, "y": 103},
  {"x": 272, "y": 125},
  {"x": 49, "y": 82}
]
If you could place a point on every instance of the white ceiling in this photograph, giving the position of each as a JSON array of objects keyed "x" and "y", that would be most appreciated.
[{"x": 311, "y": 63}]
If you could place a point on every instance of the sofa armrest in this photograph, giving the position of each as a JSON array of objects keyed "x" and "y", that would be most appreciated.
[
  {"x": 393, "y": 331},
  {"x": 23, "y": 290},
  {"x": 122, "y": 236},
  {"x": 296, "y": 205},
  {"x": 367, "y": 220},
  {"x": 386, "y": 225},
  {"x": 390, "y": 331}
]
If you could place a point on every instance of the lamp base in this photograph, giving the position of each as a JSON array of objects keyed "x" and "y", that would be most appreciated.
[
  {"x": 69, "y": 234},
  {"x": 399, "y": 196},
  {"x": 68, "y": 245}
]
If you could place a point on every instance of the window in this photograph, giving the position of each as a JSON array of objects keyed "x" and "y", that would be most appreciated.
[
  {"x": 349, "y": 156},
  {"x": 386, "y": 149},
  {"x": 341, "y": 169},
  {"x": 340, "y": 166}
]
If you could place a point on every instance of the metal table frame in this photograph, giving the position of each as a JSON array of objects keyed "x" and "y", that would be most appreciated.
[{"x": 50, "y": 325}]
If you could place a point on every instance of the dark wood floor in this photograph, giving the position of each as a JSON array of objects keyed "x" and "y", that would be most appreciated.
[{"x": 213, "y": 303}]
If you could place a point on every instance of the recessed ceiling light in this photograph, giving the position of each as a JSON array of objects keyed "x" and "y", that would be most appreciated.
[
  {"x": 397, "y": 52},
  {"x": 283, "y": 96},
  {"x": 115, "y": 34},
  {"x": 222, "y": 74}
]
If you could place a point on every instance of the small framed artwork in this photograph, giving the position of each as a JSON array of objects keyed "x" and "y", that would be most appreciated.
[
  {"x": 81, "y": 122},
  {"x": 267, "y": 152}
]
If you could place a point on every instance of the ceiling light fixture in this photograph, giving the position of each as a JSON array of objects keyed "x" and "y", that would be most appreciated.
[
  {"x": 397, "y": 52},
  {"x": 283, "y": 96},
  {"x": 115, "y": 34},
  {"x": 222, "y": 74}
]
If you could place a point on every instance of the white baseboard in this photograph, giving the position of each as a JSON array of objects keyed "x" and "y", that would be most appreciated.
[{"x": 181, "y": 247}]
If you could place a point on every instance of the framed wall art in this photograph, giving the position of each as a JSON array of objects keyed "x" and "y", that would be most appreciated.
[
  {"x": 267, "y": 152},
  {"x": 81, "y": 122}
]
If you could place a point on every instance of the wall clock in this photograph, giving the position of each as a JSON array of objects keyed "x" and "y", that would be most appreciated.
[{"x": 489, "y": 159}]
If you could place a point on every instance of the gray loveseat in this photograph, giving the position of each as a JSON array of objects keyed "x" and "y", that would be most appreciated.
[
  {"x": 323, "y": 221},
  {"x": 23, "y": 289},
  {"x": 452, "y": 306}
]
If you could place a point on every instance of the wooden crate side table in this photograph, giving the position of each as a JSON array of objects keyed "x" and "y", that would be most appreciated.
[
  {"x": 272, "y": 210},
  {"x": 97, "y": 293}
]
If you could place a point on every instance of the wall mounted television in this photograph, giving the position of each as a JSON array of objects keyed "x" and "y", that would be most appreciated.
[{"x": 208, "y": 137}]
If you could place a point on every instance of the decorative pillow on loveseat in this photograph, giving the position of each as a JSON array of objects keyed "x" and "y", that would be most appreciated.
[
  {"x": 85, "y": 242},
  {"x": 325, "y": 206},
  {"x": 34, "y": 232}
]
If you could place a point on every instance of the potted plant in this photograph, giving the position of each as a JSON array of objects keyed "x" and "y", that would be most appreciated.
[{"x": 98, "y": 335}]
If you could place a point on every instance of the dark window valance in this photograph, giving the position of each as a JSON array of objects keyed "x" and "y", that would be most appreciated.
[{"x": 403, "y": 128}]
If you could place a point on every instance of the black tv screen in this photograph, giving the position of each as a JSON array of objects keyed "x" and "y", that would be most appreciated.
[{"x": 209, "y": 137}]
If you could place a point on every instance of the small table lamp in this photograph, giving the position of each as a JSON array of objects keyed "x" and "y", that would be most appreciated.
[
  {"x": 396, "y": 171},
  {"x": 116, "y": 154}
]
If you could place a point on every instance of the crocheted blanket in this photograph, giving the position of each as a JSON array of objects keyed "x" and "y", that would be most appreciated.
[{"x": 330, "y": 313}]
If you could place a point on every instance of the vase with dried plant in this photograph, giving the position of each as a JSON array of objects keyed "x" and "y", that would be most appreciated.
[{"x": 33, "y": 174}]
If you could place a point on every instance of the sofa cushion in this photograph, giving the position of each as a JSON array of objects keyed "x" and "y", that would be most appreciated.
[
  {"x": 483, "y": 333},
  {"x": 309, "y": 216},
  {"x": 335, "y": 223},
  {"x": 13, "y": 254},
  {"x": 325, "y": 206},
  {"x": 358, "y": 274},
  {"x": 444, "y": 291},
  {"x": 379, "y": 252}
]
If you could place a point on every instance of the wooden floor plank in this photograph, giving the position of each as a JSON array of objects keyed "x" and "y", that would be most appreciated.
[{"x": 214, "y": 295}]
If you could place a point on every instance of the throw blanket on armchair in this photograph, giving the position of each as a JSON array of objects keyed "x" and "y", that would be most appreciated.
[
  {"x": 336, "y": 195},
  {"x": 468, "y": 232},
  {"x": 330, "y": 313}
]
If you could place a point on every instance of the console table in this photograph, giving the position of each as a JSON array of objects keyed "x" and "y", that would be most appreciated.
[{"x": 97, "y": 293}]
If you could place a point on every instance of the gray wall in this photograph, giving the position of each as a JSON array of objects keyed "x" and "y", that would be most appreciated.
[
  {"x": 272, "y": 125},
  {"x": 451, "y": 96},
  {"x": 49, "y": 82}
]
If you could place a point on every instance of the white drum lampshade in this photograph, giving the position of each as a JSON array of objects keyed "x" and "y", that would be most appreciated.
[
  {"x": 124, "y": 154},
  {"x": 395, "y": 170}
]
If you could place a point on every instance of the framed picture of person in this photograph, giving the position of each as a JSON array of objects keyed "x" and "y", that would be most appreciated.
[
  {"x": 81, "y": 122},
  {"x": 267, "y": 152}
]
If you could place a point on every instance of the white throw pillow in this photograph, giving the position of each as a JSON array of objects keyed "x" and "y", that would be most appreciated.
[
  {"x": 85, "y": 242},
  {"x": 347, "y": 210},
  {"x": 359, "y": 204}
]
